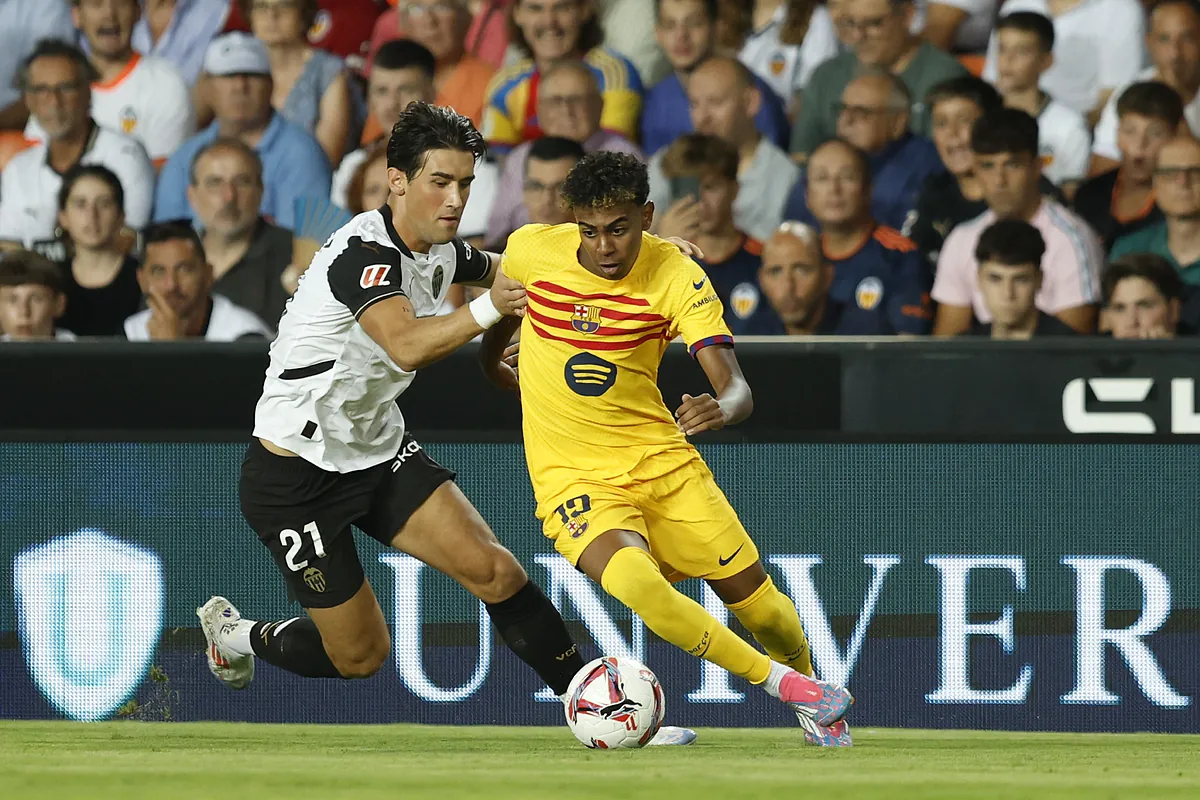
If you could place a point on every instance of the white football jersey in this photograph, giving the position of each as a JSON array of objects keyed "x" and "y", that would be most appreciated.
[{"x": 330, "y": 391}]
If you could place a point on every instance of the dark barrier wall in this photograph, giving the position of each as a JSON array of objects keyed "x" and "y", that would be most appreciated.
[{"x": 1050, "y": 582}]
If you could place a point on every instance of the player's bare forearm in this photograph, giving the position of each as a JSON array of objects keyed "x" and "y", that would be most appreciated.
[
  {"x": 734, "y": 401},
  {"x": 492, "y": 350}
]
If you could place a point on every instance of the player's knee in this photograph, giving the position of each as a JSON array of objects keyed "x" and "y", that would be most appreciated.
[
  {"x": 633, "y": 577},
  {"x": 364, "y": 658},
  {"x": 495, "y": 575}
]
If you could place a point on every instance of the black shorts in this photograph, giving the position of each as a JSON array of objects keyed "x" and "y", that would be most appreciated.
[{"x": 303, "y": 514}]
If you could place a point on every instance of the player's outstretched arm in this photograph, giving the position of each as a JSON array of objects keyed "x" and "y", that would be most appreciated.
[
  {"x": 415, "y": 342},
  {"x": 733, "y": 402},
  {"x": 496, "y": 367}
]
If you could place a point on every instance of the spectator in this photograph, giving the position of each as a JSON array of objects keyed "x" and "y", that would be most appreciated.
[
  {"x": 341, "y": 27},
  {"x": 1143, "y": 297},
  {"x": 1174, "y": 46},
  {"x": 1177, "y": 195},
  {"x": 294, "y": 164},
  {"x": 141, "y": 96},
  {"x": 686, "y": 31},
  {"x": 180, "y": 31},
  {"x": 1005, "y": 144},
  {"x": 31, "y": 298},
  {"x": 101, "y": 277},
  {"x": 877, "y": 32},
  {"x": 723, "y": 103},
  {"x": 873, "y": 116},
  {"x": 403, "y": 72},
  {"x": 310, "y": 87},
  {"x": 628, "y": 27},
  {"x": 569, "y": 107},
  {"x": 550, "y": 159},
  {"x": 177, "y": 280},
  {"x": 795, "y": 278},
  {"x": 1098, "y": 46},
  {"x": 731, "y": 258},
  {"x": 880, "y": 281},
  {"x": 1024, "y": 47},
  {"x": 547, "y": 31},
  {"x": 1121, "y": 200},
  {"x": 247, "y": 254},
  {"x": 56, "y": 80},
  {"x": 956, "y": 26},
  {"x": 786, "y": 41},
  {"x": 1009, "y": 254},
  {"x": 23, "y": 24},
  {"x": 368, "y": 186},
  {"x": 486, "y": 39}
]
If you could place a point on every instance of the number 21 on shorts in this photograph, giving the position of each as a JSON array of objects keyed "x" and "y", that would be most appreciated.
[{"x": 293, "y": 541}]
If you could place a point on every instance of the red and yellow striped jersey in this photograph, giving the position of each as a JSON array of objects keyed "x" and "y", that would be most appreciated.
[{"x": 590, "y": 350}]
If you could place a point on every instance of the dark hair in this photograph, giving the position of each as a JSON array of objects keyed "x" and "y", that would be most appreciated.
[
  {"x": 97, "y": 171},
  {"x": 423, "y": 128},
  {"x": 604, "y": 180},
  {"x": 1152, "y": 99},
  {"x": 405, "y": 54},
  {"x": 699, "y": 154},
  {"x": 966, "y": 87},
  {"x": 1005, "y": 130},
  {"x": 1030, "y": 22},
  {"x": 24, "y": 267},
  {"x": 711, "y": 9},
  {"x": 56, "y": 48},
  {"x": 864, "y": 162},
  {"x": 308, "y": 11},
  {"x": 553, "y": 148},
  {"x": 171, "y": 231},
  {"x": 227, "y": 143},
  {"x": 1148, "y": 266},
  {"x": 1193, "y": 5},
  {"x": 591, "y": 35},
  {"x": 1012, "y": 242}
]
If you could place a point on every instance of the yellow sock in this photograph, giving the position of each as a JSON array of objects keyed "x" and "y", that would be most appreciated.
[
  {"x": 633, "y": 577},
  {"x": 771, "y": 617}
]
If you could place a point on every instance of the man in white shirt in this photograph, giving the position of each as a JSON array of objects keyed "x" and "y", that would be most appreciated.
[
  {"x": 177, "y": 279},
  {"x": 1024, "y": 47},
  {"x": 24, "y": 23},
  {"x": 1174, "y": 45},
  {"x": 140, "y": 96},
  {"x": 55, "y": 79},
  {"x": 1098, "y": 46}
]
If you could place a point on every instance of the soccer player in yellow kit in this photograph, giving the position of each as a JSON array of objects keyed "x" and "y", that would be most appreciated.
[{"x": 622, "y": 492}]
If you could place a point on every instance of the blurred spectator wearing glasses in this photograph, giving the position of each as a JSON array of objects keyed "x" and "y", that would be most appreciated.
[
  {"x": 1143, "y": 298},
  {"x": 873, "y": 116},
  {"x": 1177, "y": 194},
  {"x": 179, "y": 31},
  {"x": 1173, "y": 42},
  {"x": 1098, "y": 46},
  {"x": 31, "y": 298},
  {"x": 547, "y": 31},
  {"x": 56, "y": 80},
  {"x": 1005, "y": 143},
  {"x": 24, "y": 23},
  {"x": 785, "y": 41},
  {"x": 1024, "y": 46},
  {"x": 1121, "y": 200},
  {"x": 141, "y": 96},
  {"x": 570, "y": 106},
  {"x": 486, "y": 39},
  {"x": 101, "y": 277},
  {"x": 294, "y": 165},
  {"x": 550, "y": 159},
  {"x": 878, "y": 34},
  {"x": 1009, "y": 254},
  {"x": 686, "y": 30}
]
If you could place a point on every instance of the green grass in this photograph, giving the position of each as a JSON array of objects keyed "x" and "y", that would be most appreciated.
[{"x": 214, "y": 761}]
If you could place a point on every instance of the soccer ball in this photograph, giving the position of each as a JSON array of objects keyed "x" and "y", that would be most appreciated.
[{"x": 615, "y": 702}]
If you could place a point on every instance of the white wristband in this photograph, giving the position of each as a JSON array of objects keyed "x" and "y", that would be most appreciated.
[{"x": 484, "y": 311}]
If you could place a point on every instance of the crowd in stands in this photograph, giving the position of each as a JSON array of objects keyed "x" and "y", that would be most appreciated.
[{"x": 1011, "y": 169}]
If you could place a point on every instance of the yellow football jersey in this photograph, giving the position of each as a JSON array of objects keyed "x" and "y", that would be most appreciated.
[{"x": 590, "y": 350}]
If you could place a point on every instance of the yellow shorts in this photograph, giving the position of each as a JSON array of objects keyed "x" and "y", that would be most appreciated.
[{"x": 692, "y": 530}]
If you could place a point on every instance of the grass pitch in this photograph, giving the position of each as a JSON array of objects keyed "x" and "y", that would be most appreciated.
[{"x": 180, "y": 761}]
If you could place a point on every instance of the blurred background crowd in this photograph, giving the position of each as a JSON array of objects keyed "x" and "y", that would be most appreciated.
[{"x": 855, "y": 167}]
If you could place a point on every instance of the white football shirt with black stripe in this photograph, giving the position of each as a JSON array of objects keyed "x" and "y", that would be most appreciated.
[{"x": 330, "y": 391}]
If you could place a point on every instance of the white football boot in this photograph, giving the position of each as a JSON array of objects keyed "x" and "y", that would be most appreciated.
[
  {"x": 218, "y": 619},
  {"x": 670, "y": 736}
]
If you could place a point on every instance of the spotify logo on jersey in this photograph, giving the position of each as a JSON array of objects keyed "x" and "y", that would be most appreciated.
[{"x": 589, "y": 375}]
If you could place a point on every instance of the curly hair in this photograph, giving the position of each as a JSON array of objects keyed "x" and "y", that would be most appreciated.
[{"x": 605, "y": 180}]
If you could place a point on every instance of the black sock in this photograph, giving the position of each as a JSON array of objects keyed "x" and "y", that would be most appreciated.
[
  {"x": 532, "y": 627},
  {"x": 294, "y": 645}
]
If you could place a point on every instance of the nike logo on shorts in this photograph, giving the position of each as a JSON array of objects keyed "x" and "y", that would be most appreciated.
[{"x": 724, "y": 562}]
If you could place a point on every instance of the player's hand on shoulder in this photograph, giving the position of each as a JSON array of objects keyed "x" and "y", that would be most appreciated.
[
  {"x": 689, "y": 249},
  {"x": 508, "y": 295},
  {"x": 700, "y": 413}
]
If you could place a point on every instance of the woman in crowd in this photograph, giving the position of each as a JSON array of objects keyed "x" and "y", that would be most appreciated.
[{"x": 101, "y": 276}]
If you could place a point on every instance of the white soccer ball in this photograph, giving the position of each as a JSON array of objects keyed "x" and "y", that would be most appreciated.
[{"x": 615, "y": 702}]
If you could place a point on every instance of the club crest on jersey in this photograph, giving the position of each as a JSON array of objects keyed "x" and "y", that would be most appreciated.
[
  {"x": 375, "y": 275},
  {"x": 438, "y": 276},
  {"x": 128, "y": 120},
  {"x": 778, "y": 62},
  {"x": 868, "y": 293},
  {"x": 743, "y": 300},
  {"x": 586, "y": 319}
]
